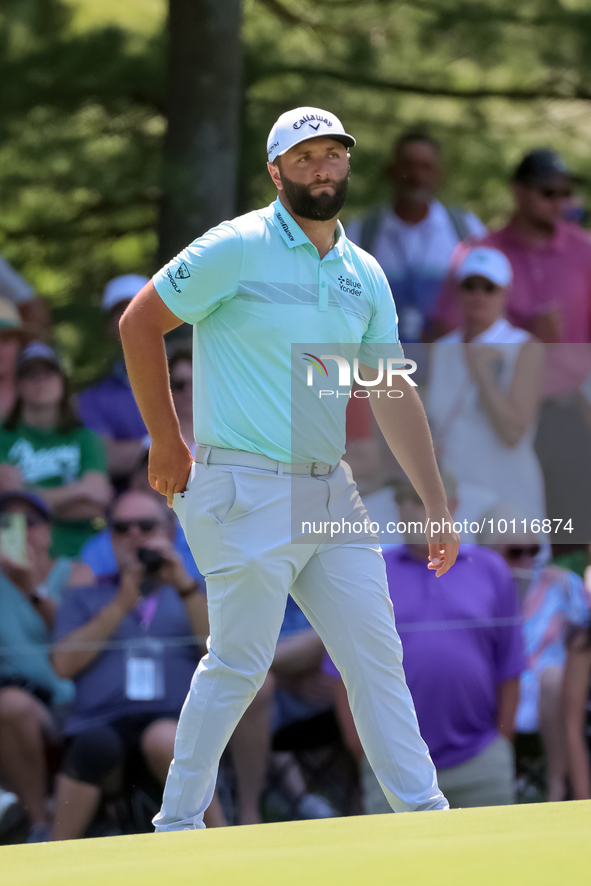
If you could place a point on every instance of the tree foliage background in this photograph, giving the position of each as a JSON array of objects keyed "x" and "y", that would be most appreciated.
[{"x": 82, "y": 92}]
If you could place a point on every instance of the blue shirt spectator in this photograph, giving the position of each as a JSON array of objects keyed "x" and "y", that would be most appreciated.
[
  {"x": 131, "y": 647},
  {"x": 32, "y": 696},
  {"x": 101, "y": 695},
  {"x": 98, "y": 553},
  {"x": 25, "y": 637}
]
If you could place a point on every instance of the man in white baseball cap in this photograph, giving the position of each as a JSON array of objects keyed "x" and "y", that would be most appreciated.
[
  {"x": 109, "y": 407},
  {"x": 301, "y": 124},
  {"x": 256, "y": 289},
  {"x": 293, "y": 132}
]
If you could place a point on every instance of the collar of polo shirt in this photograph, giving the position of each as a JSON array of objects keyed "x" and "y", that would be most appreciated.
[{"x": 293, "y": 234}]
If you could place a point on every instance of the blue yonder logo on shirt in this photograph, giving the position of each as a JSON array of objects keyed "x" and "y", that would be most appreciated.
[{"x": 348, "y": 284}]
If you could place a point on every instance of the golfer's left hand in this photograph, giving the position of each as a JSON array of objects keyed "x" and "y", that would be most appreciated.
[{"x": 443, "y": 541}]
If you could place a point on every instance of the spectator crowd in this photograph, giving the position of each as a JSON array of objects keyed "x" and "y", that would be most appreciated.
[{"x": 103, "y": 611}]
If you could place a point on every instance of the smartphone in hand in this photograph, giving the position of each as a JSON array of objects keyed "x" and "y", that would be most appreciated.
[{"x": 13, "y": 537}]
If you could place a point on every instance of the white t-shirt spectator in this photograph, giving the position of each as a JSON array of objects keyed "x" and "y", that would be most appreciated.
[{"x": 415, "y": 258}]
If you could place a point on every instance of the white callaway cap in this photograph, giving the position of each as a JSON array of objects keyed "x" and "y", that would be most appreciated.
[
  {"x": 301, "y": 124},
  {"x": 483, "y": 261},
  {"x": 122, "y": 288}
]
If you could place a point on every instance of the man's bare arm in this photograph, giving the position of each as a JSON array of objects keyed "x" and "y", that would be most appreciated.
[
  {"x": 302, "y": 652},
  {"x": 507, "y": 701},
  {"x": 405, "y": 428},
  {"x": 142, "y": 328}
]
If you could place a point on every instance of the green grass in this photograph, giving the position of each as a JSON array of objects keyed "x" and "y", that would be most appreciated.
[{"x": 545, "y": 844}]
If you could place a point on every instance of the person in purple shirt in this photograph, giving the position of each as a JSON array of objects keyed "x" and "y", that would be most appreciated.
[
  {"x": 463, "y": 654},
  {"x": 109, "y": 408}
]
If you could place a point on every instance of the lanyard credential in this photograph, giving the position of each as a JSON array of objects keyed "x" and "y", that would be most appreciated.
[
  {"x": 146, "y": 610},
  {"x": 144, "y": 659}
]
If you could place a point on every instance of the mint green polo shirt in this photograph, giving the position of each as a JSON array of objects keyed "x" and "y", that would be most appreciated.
[{"x": 260, "y": 299}]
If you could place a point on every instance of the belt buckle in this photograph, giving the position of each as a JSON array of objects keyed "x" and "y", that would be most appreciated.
[{"x": 313, "y": 471}]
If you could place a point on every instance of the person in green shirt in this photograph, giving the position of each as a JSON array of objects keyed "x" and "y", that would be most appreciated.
[{"x": 44, "y": 448}]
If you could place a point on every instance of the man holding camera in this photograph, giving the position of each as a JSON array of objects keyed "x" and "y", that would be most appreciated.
[{"x": 129, "y": 644}]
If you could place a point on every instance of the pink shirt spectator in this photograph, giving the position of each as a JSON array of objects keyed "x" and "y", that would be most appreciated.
[{"x": 555, "y": 276}]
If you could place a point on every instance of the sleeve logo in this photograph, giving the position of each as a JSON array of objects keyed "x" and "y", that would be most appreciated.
[{"x": 182, "y": 272}]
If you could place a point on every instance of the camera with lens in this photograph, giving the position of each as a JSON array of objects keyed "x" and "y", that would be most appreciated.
[{"x": 153, "y": 562}]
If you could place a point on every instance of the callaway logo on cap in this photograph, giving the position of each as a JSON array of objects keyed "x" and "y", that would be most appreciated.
[{"x": 301, "y": 124}]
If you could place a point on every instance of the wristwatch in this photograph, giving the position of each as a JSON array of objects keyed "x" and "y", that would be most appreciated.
[
  {"x": 39, "y": 594},
  {"x": 188, "y": 591}
]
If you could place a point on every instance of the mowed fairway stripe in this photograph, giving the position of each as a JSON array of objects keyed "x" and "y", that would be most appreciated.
[{"x": 534, "y": 844}]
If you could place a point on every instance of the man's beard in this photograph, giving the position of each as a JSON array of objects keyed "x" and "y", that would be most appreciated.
[{"x": 321, "y": 207}]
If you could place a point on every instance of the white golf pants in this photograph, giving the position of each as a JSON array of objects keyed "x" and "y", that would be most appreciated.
[{"x": 238, "y": 523}]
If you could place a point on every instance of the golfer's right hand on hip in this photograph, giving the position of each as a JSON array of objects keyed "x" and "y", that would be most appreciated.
[{"x": 169, "y": 467}]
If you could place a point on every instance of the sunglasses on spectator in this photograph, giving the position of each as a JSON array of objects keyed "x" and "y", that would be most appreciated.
[
  {"x": 517, "y": 552},
  {"x": 553, "y": 193},
  {"x": 39, "y": 371},
  {"x": 122, "y": 527},
  {"x": 180, "y": 384},
  {"x": 472, "y": 284}
]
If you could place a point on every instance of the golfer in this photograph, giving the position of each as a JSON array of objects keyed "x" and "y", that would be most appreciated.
[{"x": 256, "y": 290}]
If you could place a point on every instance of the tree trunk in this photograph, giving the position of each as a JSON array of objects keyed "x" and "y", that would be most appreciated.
[{"x": 203, "y": 109}]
